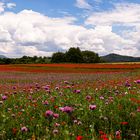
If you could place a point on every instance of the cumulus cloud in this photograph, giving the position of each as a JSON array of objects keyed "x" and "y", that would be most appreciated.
[
  {"x": 11, "y": 5},
  {"x": 2, "y": 7},
  {"x": 122, "y": 14},
  {"x": 83, "y": 4},
  {"x": 32, "y": 33},
  {"x": 4, "y": 35}
]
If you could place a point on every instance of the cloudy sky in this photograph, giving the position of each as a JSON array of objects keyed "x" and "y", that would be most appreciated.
[{"x": 41, "y": 27}]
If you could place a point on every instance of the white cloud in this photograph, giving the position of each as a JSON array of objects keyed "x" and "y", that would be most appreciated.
[
  {"x": 122, "y": 14},
  {"x": 2, "y": 7},
  {"x": 4, "y": 35},
  {"x": 125, "y": 15},
  {"x": 32, "y": 33},
  {"x": 83, "y": 4},
  {"x": 11, "y": 5}
]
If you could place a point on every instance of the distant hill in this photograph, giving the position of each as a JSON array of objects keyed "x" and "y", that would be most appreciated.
[
  {"x": 2, "y": 56},
  {"x": 119, "y": 58}
]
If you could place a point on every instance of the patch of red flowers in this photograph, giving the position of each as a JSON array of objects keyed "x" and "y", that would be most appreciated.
[
  {"x": 79, "y": 137},
  {"x": 70, "y": 68},
  {"x": 124, "y": 123},
  {"x": 103, "y": 136},
  {"x": 14, "y": 131}
]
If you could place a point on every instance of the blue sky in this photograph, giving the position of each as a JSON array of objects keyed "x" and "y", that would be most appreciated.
[
  {"x": 60, "y": 8},
  {"x": 42, "y": 27}
]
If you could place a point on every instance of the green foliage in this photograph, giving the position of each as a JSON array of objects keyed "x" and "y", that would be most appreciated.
[
  {"x": 90, "y": 57},
  {"x": 25, "y": 60},
  {"x": 58, "y": 57},
  {"x": 74, "y": 55}
]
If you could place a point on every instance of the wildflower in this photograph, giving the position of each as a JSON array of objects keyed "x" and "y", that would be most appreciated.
[
  {"x": 106, "y": 103},
  {"x": 101, "y": 132},
  {"x": 66, "y": 109},
  {"x": 55, "y": 131},
  {"x": 57, "y": 124},
  {"x": 14, "y": 131},
  {"x": 68, "y": 86},
  {"x": 138, "y": 81},
  {"x": 14, "y": 87},
  {"x": 61, "y": 109},
  {"x": 132, "y": 114},
  {"x": 104, "y": 137},
  {"x": 92, "y": 107},
  {"x": 55, "y": 115},
  {"x": 63, "y": 123},
  {"x": 48, "y": 113},
  {"x": 1, "y": 102},
  {"x": 79, "y": 123},
  {"x": 66, "y": 82},
  {"x": 56, "y": 88},
  {"x": 75, "y": 121},
  {"x": 30, "y": 97},
  {"x": 47, "y": 87},
  {"x": 48, "y": 91},
  {"x": 24, "y": 129},
  {"x": 101, "y": 97},
  {"x": 45, "y": 103},
  {"x": 111, "y": 98},
  {"x": 14, "y": 92},
  {"x": 4, "y": 97},
  {"x": 138, "y": 110},
  {"x": 118, "y": 134},
  {"x": 13, "y": 115},
  {"x": 88, "y": 97},
  {"x": 124, "y": 123},
  {"x": 77, "y": 91},
  {"x": 79, "y": 137},
  {"x": 127, "y": 84}
]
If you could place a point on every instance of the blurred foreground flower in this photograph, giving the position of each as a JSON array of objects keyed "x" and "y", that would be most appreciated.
[
  {"x": 124, "y": 123},
  {"x": 79, "y": 137},
  {"x": 92, "y": 107},
  {"x": 4, "y": 97},
  {"x": 138, "y": 81},
  {"x": 24, "y": 129},
  {"x": 48, "y": 113},
  {"x": 66, "y": 109}
]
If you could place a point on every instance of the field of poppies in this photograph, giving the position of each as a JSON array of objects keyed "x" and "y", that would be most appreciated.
[{"x": 70, "y": 102}]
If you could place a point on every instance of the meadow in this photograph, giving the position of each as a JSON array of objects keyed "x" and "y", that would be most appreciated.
[{"x": 70, "y": 102}]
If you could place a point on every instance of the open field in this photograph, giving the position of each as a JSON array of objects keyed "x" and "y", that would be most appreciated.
[
  {"x": 70, "y": 101},
  {"x": 71, "y": 68}
]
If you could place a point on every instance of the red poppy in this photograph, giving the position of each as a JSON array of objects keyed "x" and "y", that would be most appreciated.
[
  {"x": 55, "y": 106},
  {"x": 79, "y": 138},
  {"x": 104, "y": 137},
  {"x": 124, "y": 123},
  {"x": 14, "y": 131},
  {"x": 101, "y": 132}
]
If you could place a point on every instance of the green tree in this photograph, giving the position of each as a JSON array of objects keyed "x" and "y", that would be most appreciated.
[
  {"x": 58, "y": 57},
  {"x": 74, "y": 55},
  {"x": 90, "y": 57}
]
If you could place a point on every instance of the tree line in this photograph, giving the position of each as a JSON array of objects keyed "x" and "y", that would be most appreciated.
[
  {"x": 73, "y": 55},
  {"x": 26, "y": 60}
]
